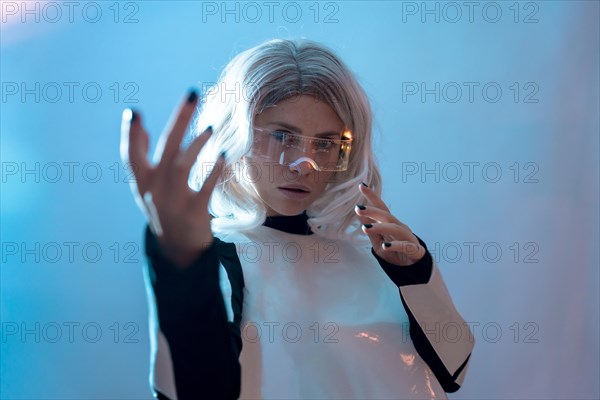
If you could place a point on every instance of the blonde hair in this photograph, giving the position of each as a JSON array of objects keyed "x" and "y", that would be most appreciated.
[{"x": 261, "y": 77}]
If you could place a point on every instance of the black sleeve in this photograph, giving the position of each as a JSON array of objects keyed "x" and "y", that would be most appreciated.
[
  {"x": 413, "y": 274},
  {"x": 204, "y": 346},
  {"x": 420, "y": 273}
]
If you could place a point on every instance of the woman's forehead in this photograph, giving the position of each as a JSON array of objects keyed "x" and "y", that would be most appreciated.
[{"x": 304, "y": 112}]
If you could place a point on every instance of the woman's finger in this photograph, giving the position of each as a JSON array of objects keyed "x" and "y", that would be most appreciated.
[
  {"x": 391, "y": 230},
  {"x": 411, "y": 250},
  {"x": 359, "y": 210},
  {"x": 372, "y": 197},
  {"x": 179, "y": 175},
  {"x": 170, "y": 140},
  {"x": 203, "y": 196},
  {"x": 363, "y": 220},
  {"x": 152, "y": 214},
  {"x": 375, "y": 214},
  {"x": 190, "y": 155},
  {"x": 134, "y": 148}
]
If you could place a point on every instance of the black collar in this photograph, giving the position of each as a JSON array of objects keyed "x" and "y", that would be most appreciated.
[{"x": 296, "y": 224}]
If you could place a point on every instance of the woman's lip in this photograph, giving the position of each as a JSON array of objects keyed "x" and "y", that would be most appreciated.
[
  {"x": 294, "y": 194},
  {"x": 297, "y": 187}
]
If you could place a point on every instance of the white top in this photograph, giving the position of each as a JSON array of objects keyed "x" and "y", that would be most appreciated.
[{"x": 320, "y": 319}]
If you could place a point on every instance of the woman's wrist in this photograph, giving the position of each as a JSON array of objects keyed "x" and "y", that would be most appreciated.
[{"x": 182, "y": 257}]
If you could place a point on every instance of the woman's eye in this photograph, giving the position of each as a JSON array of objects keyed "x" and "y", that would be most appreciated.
[
  {"x": 323, "y": 144},
  {"x": 278, "y": 135},
  {"x": 288, "y": 138}
]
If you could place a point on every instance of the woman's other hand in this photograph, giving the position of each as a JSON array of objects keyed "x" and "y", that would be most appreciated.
[
  {"x": 391, "y": 239},
  {"x": 177, "y": 215}
]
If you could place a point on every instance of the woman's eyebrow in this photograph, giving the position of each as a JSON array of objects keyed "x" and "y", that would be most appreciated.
[{"x": 294, "y": 129}]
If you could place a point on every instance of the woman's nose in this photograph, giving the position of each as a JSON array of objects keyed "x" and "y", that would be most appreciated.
[{"x": 303, "y": 165}]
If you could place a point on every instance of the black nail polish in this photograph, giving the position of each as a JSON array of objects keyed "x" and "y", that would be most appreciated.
[
  {"x": 361, "y": 207},
  {"x": 223, "y": 154},
  {"x": 368, "y": 226},
  {"x": 192, "y": 96},
  {"x": 387, "y": 244},
  {"x": 134, "y": 116},
  {"x": 210, "y": 129},
  {"x": 364, "y": 184}
]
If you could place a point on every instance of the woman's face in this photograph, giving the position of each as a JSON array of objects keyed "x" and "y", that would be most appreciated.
[{"x": 278, "y": 185}]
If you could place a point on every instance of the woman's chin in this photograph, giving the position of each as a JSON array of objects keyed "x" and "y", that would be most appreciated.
[{"x": 285, "y": 211}]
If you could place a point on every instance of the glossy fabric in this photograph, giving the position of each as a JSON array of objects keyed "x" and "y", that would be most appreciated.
[{"x": 322, "y": 320}]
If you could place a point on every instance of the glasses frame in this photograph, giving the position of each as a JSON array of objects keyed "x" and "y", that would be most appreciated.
[{"x": 345, "y": 148}]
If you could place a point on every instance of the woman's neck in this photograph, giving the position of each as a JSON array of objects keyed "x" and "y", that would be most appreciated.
[{"x": 296, "y": 224}]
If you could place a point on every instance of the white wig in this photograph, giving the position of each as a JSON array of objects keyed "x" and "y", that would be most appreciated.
[{"x": 261, "y": 77}]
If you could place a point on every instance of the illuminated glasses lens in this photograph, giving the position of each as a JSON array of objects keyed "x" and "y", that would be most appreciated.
[{"x": 290, "y": 149}]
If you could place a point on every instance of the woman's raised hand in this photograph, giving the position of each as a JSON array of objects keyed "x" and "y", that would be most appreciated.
[
  {"x": 392, "y": 240},
  {"x": 177, "y": 215}
]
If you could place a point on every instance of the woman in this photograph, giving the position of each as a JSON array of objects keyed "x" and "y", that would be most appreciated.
[{"x": 284, "y": 274}]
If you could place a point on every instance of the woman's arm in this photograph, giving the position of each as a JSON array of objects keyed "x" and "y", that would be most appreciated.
[
  {"x": 440, "y": 335},
  {"x": 198, "y": 339},
  {"x": 196, "y": 345}
]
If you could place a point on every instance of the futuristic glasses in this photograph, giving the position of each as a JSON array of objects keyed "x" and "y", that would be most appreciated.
[{"x": 289, "y": 149}]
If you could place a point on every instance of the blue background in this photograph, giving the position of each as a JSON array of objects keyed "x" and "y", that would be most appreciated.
[{"x": 534, "y": 312}]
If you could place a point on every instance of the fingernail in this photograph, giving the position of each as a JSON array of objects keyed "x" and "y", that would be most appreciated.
[
  {"x": 210, "y": 129},
  {"x": 129, "y": 115},
  {"x": 361, "y": 207},
  {"x": 364, "y": 184},
  {"x": 192, "y": 96},
  {"x": 387, "y": 244},
  {"x": 134, "y": 116},
  {"x": 223, "y": 154},
  {"x": 368, "y": 226}
]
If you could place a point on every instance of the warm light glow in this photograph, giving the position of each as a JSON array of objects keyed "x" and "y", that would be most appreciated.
[
  {"x": 22, "y": 20},
  {"x": 408, "y": 359},
  {"x": 428, "y": 380},
  {"x": 373, "y": 338}
]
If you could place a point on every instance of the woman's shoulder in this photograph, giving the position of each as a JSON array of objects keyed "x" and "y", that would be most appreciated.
[{"x": 229, "y": 237}]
